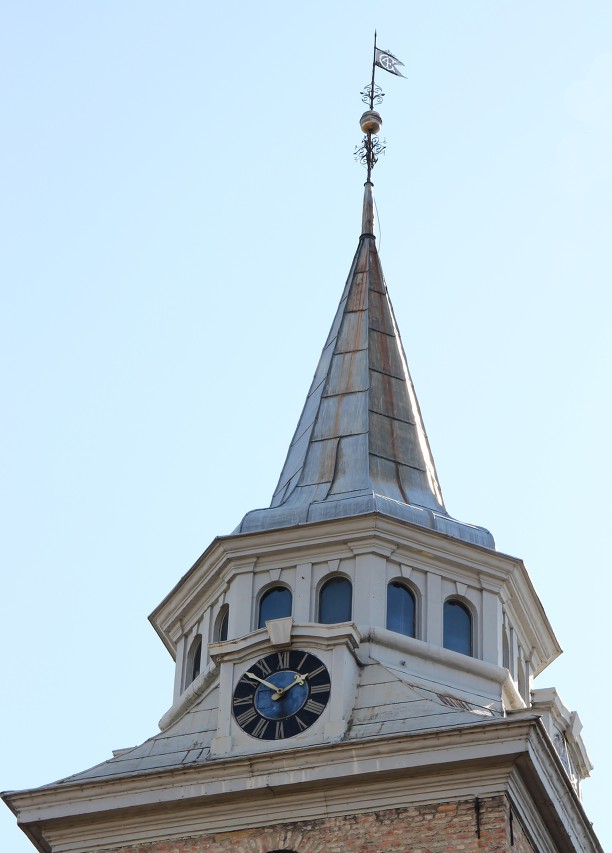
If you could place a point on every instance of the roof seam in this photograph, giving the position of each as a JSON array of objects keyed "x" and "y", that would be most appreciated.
[
  {"x": 345, "y": 393},
  {"x": 396, "y": 462},
  {"x": 382, "y": 332},
  {"x": 391, "y": 417},
  {"x": 385, "y": 373},
  {"x": 338, "y": 437}
]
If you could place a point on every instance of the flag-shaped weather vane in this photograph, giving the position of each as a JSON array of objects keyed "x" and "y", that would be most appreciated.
[{"x": 371, "y": 121}]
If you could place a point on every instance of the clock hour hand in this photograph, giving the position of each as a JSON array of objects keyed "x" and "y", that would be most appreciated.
[
  {"x": 280, "y": 691},
  {"x": 261, "y": 681},
  {"x": 299, "y": 679}
]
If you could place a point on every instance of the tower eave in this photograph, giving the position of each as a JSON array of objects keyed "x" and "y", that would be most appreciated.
[{"x": 359, "y": 504}]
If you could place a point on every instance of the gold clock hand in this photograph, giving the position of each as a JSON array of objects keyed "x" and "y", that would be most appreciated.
[
  {"x": 280, "y": 691},
  {"x": 261, "y": 681},
  {"x": 299, "y": 679}
]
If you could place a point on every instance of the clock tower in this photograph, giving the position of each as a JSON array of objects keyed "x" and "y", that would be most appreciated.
[{"x": 354, "y": 666}]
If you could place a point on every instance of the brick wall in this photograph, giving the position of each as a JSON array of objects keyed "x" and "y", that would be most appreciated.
[{"x": 436, "y": 828}]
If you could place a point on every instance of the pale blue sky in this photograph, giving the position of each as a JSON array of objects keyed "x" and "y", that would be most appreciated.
[{"x": 178, "y": 213}]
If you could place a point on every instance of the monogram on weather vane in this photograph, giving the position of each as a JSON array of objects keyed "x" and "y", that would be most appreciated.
[{"x": 385, "y": 59}]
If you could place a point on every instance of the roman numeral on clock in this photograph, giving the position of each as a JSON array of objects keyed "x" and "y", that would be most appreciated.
[
  {"x": 246, "y": 717},
  {"x": 320, "y": 688},
  {"x": 260, "y": 728},
  {"x": 302, "y": 662},
  {"x": 313, "y": 706},
  {"x": 283, "y": 660},
  {"x": 263, "y": 666},
  {"x": 301, "y": 724}
]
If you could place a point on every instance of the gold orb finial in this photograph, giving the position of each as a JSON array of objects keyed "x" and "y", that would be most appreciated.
[{"x": 370, "y": 122}]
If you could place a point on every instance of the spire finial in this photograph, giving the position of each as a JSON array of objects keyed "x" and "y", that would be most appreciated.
[{"x": 371, "y": 121}]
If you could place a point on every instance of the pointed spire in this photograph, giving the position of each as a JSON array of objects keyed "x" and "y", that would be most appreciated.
[{"x": 360, "y": 445}]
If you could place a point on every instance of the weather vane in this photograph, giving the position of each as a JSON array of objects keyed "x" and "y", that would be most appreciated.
[{"x": 371, "y": 122}]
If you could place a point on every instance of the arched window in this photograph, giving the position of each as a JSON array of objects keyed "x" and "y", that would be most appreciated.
[
  {"x": 457, "y": 627},
  {"x": 194, "y": 660},
  {"x": 220, "y": 632},
  {"x": 336, "y": 601},
  {"x": 523, "y": 680},
  {"x": 401, "y": 609},
  {"x": 505, "y": 648},
  {"x": 274, "y": 604}
]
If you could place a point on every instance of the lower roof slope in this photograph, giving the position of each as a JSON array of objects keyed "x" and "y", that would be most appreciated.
[{"x": 409, "y": 708}]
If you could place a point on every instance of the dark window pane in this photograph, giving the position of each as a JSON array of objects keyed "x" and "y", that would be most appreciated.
[
  {"x": 197, "y": 661},
  {"x": 505, "y": 650},
  {"x": 274, "y": 604},
  {"x": 194, "y": 660},
  {"x": 223, "y": 626},
  {"x": 336, "y": 601},
  {"x": 400, "y": 609},
  {"x": 457, "y": 627}
]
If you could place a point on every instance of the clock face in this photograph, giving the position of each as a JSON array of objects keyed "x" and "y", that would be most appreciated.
[{"x": 281, "y": 695}]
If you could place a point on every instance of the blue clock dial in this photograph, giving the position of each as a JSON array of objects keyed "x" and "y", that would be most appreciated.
[
  {"x": 281, "y": 695},
  {"x": 288, "y": 703}
]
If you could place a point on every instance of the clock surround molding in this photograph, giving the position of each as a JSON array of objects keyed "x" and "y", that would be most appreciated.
[{"x": 334, "y": 645}]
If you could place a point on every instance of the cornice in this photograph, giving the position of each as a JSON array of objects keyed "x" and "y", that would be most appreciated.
[
  {"x": 510, "y": 755},
  {"x": 271, "y": 806},
  {"x": 281, "y": 768},
  {"x": 568, "y": 723},
  {"x": 542, "y": 772}
]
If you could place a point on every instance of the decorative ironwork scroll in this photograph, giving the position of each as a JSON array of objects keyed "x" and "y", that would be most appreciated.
[{"x": 368, "y": 98}]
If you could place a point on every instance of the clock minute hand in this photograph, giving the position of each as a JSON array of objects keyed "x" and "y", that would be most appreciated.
[{"x": 261, "y": 681}]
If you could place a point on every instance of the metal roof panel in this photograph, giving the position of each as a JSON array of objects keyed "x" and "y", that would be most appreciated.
[
  {"x": 385, "y": 356},
  {"x": 345, "y": 414},
  {"x": 348, "y": 372},
  {"x": 389, "y": 396},
  {"x": 320, "y": 462},
  {"x": 379, "y": 313},
  {"x": 352, "y": 471},
  {"x": 353, "y": 334},
  {"x": 395, "y": 440}
]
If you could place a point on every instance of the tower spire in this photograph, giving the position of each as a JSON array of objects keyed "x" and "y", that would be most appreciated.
[{"x": 360, "y": 445}]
